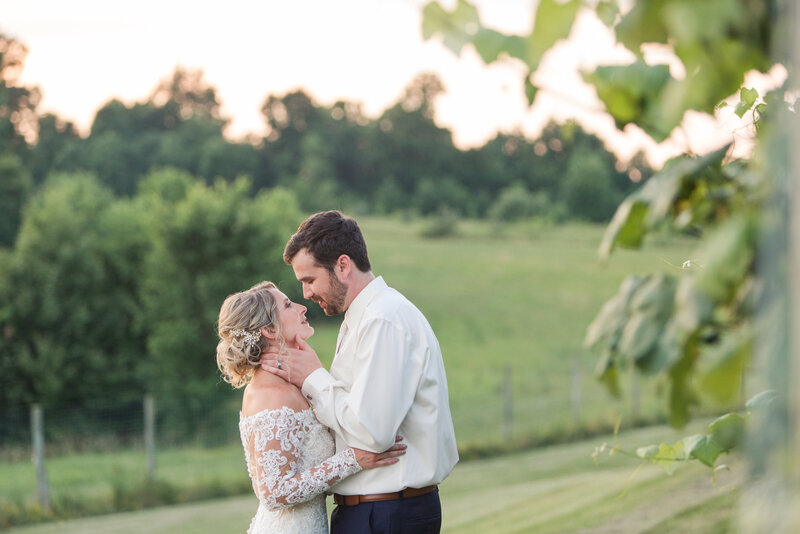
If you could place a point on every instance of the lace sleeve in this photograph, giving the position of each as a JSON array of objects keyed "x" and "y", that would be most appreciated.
[{"x": 274, "y": 464}]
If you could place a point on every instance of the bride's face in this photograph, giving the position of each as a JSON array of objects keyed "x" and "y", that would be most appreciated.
[{"x": 292, "y": 318}]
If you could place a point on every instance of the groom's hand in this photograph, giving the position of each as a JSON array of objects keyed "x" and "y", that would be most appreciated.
[{"x": 293, "y": 365}]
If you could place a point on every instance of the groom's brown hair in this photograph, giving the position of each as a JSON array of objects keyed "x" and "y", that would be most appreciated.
[{"x": 327, "y": 235}]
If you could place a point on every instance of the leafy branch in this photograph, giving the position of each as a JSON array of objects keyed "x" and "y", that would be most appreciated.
[
  {"x": 695, "y": 329},
  {"x": 725, "y": 433}
]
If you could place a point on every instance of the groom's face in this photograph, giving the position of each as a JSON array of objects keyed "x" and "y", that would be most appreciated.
[{"x": 319, "y": 284}]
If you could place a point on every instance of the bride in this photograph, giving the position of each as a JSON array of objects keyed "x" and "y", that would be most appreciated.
[{"x": 289, "y": 454}]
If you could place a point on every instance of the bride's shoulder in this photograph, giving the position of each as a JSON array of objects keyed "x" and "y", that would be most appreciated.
[{"x": 270, "y": 393}]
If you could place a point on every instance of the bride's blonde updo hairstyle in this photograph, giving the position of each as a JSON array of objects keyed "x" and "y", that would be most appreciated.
[{"x": 240, "y": 341}]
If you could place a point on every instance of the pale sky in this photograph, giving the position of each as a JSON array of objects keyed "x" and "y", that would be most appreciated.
[{"x": 82, "y": 53}]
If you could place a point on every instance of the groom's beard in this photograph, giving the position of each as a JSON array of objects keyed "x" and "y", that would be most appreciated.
[{"x": 333, "y": 302}]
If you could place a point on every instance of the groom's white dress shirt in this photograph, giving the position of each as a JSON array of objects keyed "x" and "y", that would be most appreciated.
[{"x": 387, "y": 378}]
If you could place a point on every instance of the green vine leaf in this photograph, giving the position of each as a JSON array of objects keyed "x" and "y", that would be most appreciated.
[
  {"x": 644, "y": 23},
  {"x": 607, "y": 326},
  {"x": 703, "y": 448},
  {"x": 491, "y": 44},
  {"x": 728, "y": 430},
  {"x": 631, "y": 94},
  {"x": 608, "y": 375},
  {"x": 553, "y": 22},
  {"x": 608, "y": 12},
  {"x": 648, "y": 452},
  {"x": 669, "y": 457},
  {"x": 761, "y": 401},
  {"x": 639, "y": 336},
  {"x": 729, "y": 251},
  {"x": 530, "y": 90},
  {"x": 725, "y": 363},
  {"x": 655, "y": 202},
  {"x": 693, "y": 308},
  {"x": 747, "y": 98},
  {"x": 454, "y": 26},
  {"x": 626, "y": 228}
]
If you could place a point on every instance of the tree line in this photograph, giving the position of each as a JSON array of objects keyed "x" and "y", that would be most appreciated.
[{"x": 117, "y": 247}]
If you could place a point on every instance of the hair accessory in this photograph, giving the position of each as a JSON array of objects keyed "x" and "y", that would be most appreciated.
[{"x": 249, "y": 338}]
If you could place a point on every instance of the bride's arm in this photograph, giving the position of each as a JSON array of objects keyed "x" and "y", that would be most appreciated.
[{"x": 277, "y": 477}]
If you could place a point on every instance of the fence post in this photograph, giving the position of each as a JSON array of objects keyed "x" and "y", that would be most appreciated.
[
  {"x": 37, "y": 434},
  {"x": 635, "y": 396},
  {"x": 576, "y": 389},
  {"x": 150, "y": 434},
  {"x": 508, "y": 404}
]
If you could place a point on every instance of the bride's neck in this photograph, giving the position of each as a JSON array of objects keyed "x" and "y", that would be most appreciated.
[{"x": 289, "y": 344}]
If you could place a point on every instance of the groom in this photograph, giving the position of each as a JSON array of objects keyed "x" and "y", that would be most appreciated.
[{"x": 387, "y": 378}]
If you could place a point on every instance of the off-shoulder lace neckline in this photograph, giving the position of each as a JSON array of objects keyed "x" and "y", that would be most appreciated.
[{"x": 282, "y": 410}]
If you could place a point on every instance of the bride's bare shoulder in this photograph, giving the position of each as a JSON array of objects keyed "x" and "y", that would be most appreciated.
[{"x": 269, "y": 392}]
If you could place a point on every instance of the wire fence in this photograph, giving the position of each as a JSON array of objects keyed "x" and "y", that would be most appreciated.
[
  {"x": 72, "y": 428},
  {"x": 124, "y": 442}
]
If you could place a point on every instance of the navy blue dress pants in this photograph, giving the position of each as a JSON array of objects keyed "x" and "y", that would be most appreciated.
[{"x": 415, "y": 515}]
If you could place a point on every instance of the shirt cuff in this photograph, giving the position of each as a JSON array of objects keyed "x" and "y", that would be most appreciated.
[{"x": 315, "y": 383}]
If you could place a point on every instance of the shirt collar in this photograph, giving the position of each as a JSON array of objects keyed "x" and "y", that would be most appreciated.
[{"x": 353, "y": 314}]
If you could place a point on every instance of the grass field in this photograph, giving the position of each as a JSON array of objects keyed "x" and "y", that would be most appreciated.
[
  {"x": 521, "y": 298},
  {"x": 549, "y": 490}
]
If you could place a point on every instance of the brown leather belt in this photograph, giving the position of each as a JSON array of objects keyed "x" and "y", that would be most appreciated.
[{"x": 352, "y": 500}]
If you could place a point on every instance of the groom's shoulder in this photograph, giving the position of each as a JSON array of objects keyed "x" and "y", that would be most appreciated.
[
  {"x": 388, "y": 300},
  {"x": 392, "y": 305}
]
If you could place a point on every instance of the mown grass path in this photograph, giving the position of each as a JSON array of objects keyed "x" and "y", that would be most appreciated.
[{"x": 550, "y": 490}]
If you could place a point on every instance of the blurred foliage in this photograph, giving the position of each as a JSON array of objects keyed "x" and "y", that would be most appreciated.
[
  {"x": 694, "y": 329},
  {"x": 716, "y": 42}
]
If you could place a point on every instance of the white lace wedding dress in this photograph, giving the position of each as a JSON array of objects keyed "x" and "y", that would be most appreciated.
[{"x": 291, "y": 461}]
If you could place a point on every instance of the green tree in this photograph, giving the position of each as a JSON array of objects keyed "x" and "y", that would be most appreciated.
[
  {"x": 587, "y": 188},
  {"x": 175, "y": 127},
  {"x": 11, "y": 391},
  {"x": 109, "y": 156},
  {"x": 408, "y": 145},
  {"x": 389, "y": 197},
  {"x": 207, "y": 244},
  {"x": 53, "y": 137},
  {"x": 185, "y": 145},
  {"x": 127, "y": 121},
  {"x": 15, "y": 187},
  {"x": 315, "y": 185},
  {"x": 71, "y": 315},
  {"x": 515, "y": 203},
  {"x": 162, "y": 188},
  {"x": 17, "y": 103},
  {"x": 503, "y": 161},
  {"x": 186, "y": 94},
  {"x": 220, "y": 158},
  {"x": 288, "y": 120},
  {"x": 348, "y": 137},
  {"x": 432, "y": 195}
]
